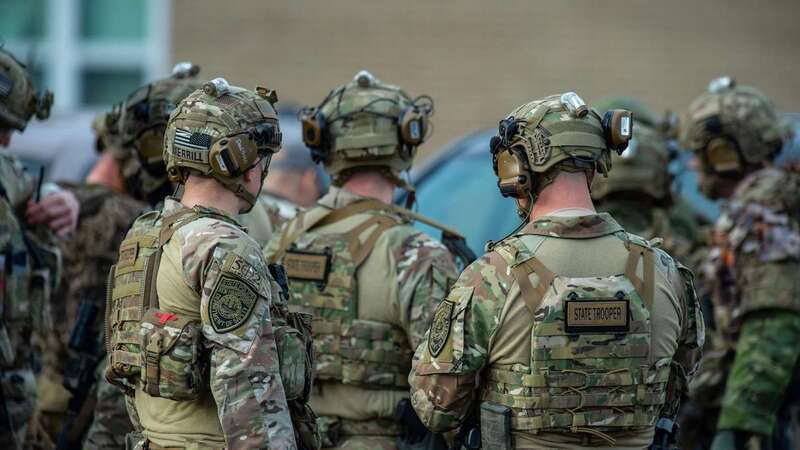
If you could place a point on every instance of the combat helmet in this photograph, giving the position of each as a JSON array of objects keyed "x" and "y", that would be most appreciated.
[
  {"x": 18, "y": 98},
  {"x": 560, "y": 132},
  {"x": 366, "y": 123},
  {"x": 143, "y": 121},
  {"x": 643, "y": 168},
  {"x": 732, "y": 129},
  {"x": 222, "y": 131}
]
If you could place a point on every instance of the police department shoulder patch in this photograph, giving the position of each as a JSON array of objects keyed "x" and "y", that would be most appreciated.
[
  {"x": 230, "y": 304},
  {"x": 440, "y": 327}
]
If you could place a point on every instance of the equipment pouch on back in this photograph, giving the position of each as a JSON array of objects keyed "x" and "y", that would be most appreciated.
[
  {"x": 495, "y": 427},
  {"x": 172, "y": 366}
]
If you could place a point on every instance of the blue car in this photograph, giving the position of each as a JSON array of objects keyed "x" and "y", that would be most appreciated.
[{"x": 457, "y": 187}]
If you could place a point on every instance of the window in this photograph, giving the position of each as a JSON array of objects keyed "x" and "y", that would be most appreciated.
[{"x": 90, "y": 53}]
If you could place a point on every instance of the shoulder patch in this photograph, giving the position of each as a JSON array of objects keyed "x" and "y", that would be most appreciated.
[
  {"x": 230, "y": 304},
  {"x": 241, "y": 268},
  {"x": 440, "y": 327}
]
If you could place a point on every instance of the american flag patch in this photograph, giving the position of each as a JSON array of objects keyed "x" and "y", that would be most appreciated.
[
  {"x": 6, "y": 84},
  {"x": 187, "y": 138}
]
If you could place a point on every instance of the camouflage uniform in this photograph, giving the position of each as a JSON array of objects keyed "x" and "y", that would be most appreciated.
[
  {"x": 96, "y": 416},
  {"x": 214, "y": 360},
  {"x": 371, "y": 280},
  {"x": 637, "y": 193},
  {"x": 246, "y": 404},
  {"x": 570, "y": 333},
  {"x": 751, "y": 272},
  {"x": 29, "y": 261}
]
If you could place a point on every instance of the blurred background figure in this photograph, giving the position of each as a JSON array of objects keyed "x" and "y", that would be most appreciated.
[
  {"x": 746, "y": 395},
  {"x": 30, "y": 261},
  {"x": 638, "y": 191},
  {"x": 128, "y": 178},
  {"x": 294, "y": 182}
]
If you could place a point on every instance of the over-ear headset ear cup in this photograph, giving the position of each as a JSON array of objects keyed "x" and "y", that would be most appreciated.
[
  {"x": 413, "y": 126},
  {"x": 722, "y": 155},
  {"x": 617, "y": 129},
  {"x": 513, "y": 173},
  {"x": 313, "y": 128},
  {"x": 219, "y": 159}
]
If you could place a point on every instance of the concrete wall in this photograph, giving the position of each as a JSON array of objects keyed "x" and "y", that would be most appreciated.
[{"x": 479, "y": 59}]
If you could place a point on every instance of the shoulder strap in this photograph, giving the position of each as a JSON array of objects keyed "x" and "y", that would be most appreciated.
[
  {"x": 646, "y": 286},
  {"x": 291, "y": 233},
  {"x": 169, "y": 225},
  {"x": 521, "y": 271}
]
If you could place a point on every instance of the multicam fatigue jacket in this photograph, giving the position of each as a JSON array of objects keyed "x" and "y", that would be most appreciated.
[
  {"x": 754, "y": 271},
  {"x": 675, "y": 225},
  {"x": 208, "y": 272},
  {"x": 29, "y": 271},
  {"x": 400, "y": 283},
  {"x": 489, "y": 328}
]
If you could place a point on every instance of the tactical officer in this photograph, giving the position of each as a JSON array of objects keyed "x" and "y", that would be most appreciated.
[
  {"x": 29, "y": 257},
  {"x": 638, "y": 192},
  {"x": 358, "y": 265},
  {"x": 570, "y": 332},
  {"x": 752, "y": 268},
  {"x": 198, "y": 333},
  {"x": 131, "y": 136}
]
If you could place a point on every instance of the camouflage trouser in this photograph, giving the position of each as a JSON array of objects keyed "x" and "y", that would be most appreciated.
[
  {"x": 110, "y": 422},
  {"x": 18, "y": 401}
]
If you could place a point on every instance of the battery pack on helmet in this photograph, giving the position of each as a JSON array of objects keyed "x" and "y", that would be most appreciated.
[{"x": 576, "y": 106}]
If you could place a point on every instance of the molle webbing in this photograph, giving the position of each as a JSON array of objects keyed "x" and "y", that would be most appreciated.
[
  {"x": 348, "y": 350},
  {"x": 304, "y": 224},
  {"x": 132, "y": 291},
  {"x": 595, "y": 379}
]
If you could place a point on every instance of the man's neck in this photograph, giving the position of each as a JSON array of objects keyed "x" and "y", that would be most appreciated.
[
  {"x": 569, "y": 191},
  {"x": 370, "y": 184},
  {"x": 209, "y": 193}
]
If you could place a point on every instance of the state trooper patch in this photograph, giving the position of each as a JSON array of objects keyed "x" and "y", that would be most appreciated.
[
  {"x": 230, "y": 304},
  {"x": 440, "y": 328}
]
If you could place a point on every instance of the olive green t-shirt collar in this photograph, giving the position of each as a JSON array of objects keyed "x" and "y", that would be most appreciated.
[{"x": 573, "y": 227}]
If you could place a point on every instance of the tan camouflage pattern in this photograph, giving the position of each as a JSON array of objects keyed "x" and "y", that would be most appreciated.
[
  {"x": 676, "y": 226},
  {"x": 493, "y": 342},
  {"x": 551, "y": 135},
  {"x": 219, "y": 116},
  {"x": 245, "y": 406},
  {"x": 110, "y": 421},
  {"x": 741, "y": 113},
  {"x": 752, "y": 274},
  {"x": 643, "y": 169},
  {"x": 88, "y": 254},
  {"x": 384, "y": 306},
  {"x": 21, "y": 102},
  {"x": 365, "y": 139},
  {"x": 25, "y": 297}
]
